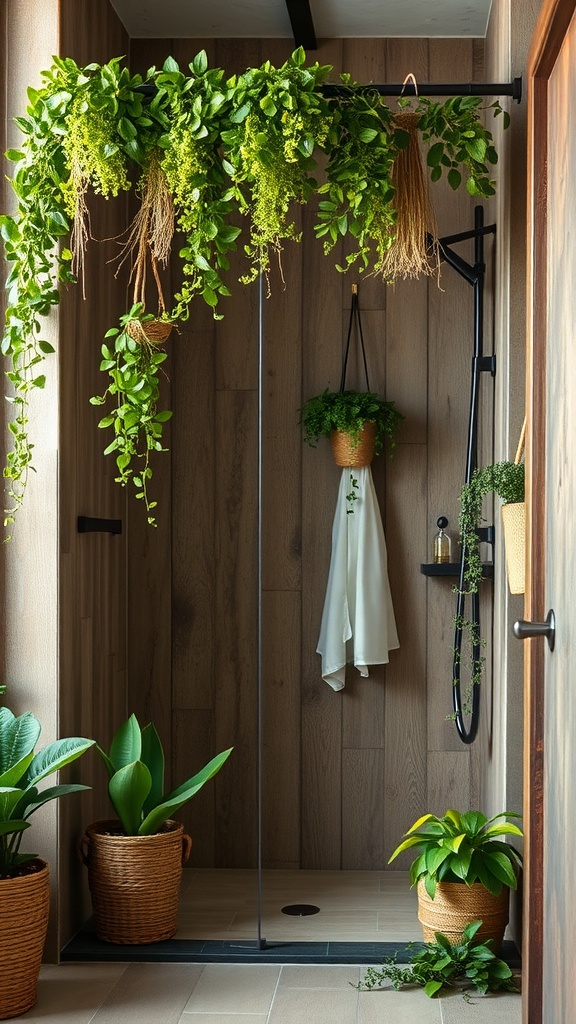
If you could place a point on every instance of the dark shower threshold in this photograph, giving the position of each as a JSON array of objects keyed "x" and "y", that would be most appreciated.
[{"x": 86, "y": 946}]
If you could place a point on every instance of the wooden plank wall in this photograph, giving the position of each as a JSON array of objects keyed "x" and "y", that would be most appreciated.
[
  {"x": 92, "y": 566},
  {"x": 344, "y": 774}
]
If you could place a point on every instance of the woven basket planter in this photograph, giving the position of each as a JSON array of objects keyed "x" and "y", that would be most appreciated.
[
  {"x": 456, "y": 904},
  {"x": 348, "y": 451},
  {"x": 134, "y": 881},
  {"x": 155, "y": 332},
  {"x": 514, "y": 524},
  {"x": 24, "y": 906}
]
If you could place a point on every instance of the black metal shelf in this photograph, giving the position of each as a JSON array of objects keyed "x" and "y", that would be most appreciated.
[{"x": 452, "y": 569}]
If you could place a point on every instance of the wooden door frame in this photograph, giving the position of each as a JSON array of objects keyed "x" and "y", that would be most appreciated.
[{"x": 551, "y": 27}]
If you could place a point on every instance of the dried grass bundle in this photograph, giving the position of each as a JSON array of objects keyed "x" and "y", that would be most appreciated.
[{"x": 414, "y": 250}]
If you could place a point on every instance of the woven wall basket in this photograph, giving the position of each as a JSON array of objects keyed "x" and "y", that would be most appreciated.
[
  {"x": 24, "y": 906},
  {"x": 348, "y": 452},
  {"x": 456, "y": 904},
  {"x": 134, "y": 881},
  {"x": 514, "y": 524}
]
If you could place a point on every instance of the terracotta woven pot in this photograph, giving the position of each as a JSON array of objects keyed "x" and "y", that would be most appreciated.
[
  {"x": 349, "y": 452},
  {"x": 24, "y": 906},
  {"x": 134, "y": 881},
  {"x": 514, "y": 523},
  {"x": 456, "y": 904}
]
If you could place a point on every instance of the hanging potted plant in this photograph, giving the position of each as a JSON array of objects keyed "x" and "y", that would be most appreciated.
[
  {"x": 135, "y": 861},
  {"x": 463, "y": 872},
  {"x": 24, "y": 877},
  {"x": 357, "y": 423}
]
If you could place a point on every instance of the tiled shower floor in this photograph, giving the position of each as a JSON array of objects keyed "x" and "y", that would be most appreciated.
[{"x": 307, "y": 974}]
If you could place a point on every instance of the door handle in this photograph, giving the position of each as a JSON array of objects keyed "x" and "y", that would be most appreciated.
[{"x": 523, "y": 630}]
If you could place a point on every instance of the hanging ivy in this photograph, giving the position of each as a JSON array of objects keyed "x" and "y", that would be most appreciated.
[{"x": 208, "y": 154}]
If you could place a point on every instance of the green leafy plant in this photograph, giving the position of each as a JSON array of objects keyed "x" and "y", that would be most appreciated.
[
  {"x": 133, "y": 366},
  {"x": 215, "y": 148},
  {"x": 463, "y": 848},
  {"x": 505, "y": 479},
  {"x": 135, "y": 766},
  {"x": 278, "y": 119},
  {"x": 469, "y": 964},
  {"x": 348, "y": 411},
  {"x": 21, "y": 771},
  {"x": 199, "y": 111}
]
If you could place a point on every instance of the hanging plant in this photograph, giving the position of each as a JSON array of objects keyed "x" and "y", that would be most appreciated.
[
  {"x": 361, "y": 148},
  {"x": 134, "y": 367},
  {"x": 278, "y": 118},
  {"x": 199, "y": 110},
  {"x": 203, "y": 149}
]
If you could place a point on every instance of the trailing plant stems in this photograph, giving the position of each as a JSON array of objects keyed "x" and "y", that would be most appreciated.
[{"x": 246, "y": 144}]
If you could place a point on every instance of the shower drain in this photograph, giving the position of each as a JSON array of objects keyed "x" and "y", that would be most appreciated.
[{"x": 300, "y": 909}]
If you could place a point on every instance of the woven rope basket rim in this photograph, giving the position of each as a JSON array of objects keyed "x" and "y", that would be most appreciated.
[
  {"x": 514, "y": 525},
  {"x": 24, "y": 909},
  {"x": 349, "y": 452},
  {"x": 155, "y": 332},
  {"x": 134, "y": 881}
]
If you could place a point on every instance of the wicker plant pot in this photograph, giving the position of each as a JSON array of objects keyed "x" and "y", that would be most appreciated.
[
  {"x": 514, "y": 523},
  {"x": 155, "y": 332},
  {"x": 134, "y": 881},
  {"x": 24, "y": 906},
  {"x": 456, "y": 904},
  {"x": 349, "y": 452}
]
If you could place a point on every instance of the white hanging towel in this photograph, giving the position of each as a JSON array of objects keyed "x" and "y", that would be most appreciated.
[{"x": 358, "y": 622}]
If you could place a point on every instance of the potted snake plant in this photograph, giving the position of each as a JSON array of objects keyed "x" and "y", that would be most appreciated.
[{"x": 135, "y": 861}]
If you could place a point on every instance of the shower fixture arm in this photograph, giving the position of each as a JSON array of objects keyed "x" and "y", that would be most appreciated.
[{"x": 474, "y": 275}]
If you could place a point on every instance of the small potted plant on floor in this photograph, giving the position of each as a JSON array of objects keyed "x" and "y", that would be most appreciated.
[
  {"x": 135, "y": 861},
  {"x": 357, "y": 423},
  {"x": 24, "y": 877},
  {"x": 463, "y": 872}
]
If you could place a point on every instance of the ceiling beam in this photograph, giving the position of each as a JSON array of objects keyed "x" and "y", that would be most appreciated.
[{"x": 302, "y": 24}]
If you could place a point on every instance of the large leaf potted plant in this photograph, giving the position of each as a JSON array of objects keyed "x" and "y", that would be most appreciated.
[
  {"x": 24, "y": 877},
  {"x": 463, "y": 872},
  {"x": 135, "y": 861}
]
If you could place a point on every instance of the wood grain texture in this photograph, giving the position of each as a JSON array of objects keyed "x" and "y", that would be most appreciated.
[
  {"x": 363, "y": 838},
  {"x": 281, "y": 703}
]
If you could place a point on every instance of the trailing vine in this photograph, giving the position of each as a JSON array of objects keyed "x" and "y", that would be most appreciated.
[
  {"x": 279, "y": 118},
  {"x": 216, "y": 149}
]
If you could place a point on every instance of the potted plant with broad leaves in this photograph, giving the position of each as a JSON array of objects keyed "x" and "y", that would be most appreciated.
[
  {"x": 463, "y": 872},
  {"x": 24, "y": 877},
  {"x": 135, "y": 861},
  {"x": 357, "y": 423}
]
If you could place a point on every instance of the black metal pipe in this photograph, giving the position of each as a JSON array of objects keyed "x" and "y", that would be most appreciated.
[{"x": 513, "y": 89}]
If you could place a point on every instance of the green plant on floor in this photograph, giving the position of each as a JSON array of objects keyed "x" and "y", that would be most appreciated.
[
  {"x": 349, "y": 411},
  {"x": 22, "y": 768},
  {"x": 440, "y": 965},
  {"x": 463, "y": 847},
  {"x": 135, "y": 765}
]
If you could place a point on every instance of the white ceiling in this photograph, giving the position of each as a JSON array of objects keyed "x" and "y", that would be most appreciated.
[{"x": 333, "y": 19}]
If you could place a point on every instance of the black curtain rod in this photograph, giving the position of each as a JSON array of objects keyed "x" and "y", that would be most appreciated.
[{"x": 513, "y": 88}]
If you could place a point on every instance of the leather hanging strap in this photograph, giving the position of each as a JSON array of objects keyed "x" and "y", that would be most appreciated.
[{"x": 354, "y": 318}]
